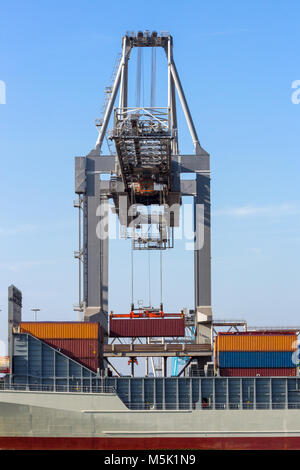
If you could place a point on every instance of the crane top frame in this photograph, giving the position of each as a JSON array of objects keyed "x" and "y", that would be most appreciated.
[{"x": 148, "y": 39}]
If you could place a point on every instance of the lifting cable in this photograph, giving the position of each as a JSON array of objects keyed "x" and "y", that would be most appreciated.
[
  {"x": 138, "y": 77},
  {"x": 132, "y": 302},
  {"x": 149, "y": 274},
  {"x": 160, "y": 255},
  {"x": 161, "y": 301},
  {"x": 152, "y": 103},
  {"x": 153, "y": 78},
  {"x": 138, "y": 104},
  {"x": 140, "y": 90},
  {"x": 143, "y": 78},
  {"x": 149, "y": 233}
]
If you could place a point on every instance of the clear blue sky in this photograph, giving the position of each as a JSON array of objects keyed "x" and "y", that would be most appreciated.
[{"x": 237, "y": 61}]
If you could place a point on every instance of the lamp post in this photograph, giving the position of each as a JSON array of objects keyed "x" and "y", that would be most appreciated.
[{"x": 35, "y": 310}]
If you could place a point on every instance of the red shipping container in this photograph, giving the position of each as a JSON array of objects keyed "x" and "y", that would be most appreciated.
[
  {"x": 259, "y": 372},
  {"x": 146, "y": 327},
  {"x": 84, "y": 351}
]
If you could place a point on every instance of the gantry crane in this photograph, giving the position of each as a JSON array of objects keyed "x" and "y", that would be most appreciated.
[{"x": 145, "y": 170}]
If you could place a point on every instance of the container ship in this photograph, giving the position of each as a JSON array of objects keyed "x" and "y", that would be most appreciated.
[{"x": 231, "y": 386}]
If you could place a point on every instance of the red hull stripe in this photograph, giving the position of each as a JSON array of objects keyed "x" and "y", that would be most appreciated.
[{"x": 150, "y": 443}]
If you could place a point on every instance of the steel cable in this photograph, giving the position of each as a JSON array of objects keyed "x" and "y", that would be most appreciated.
[{"x": 153, "y": 77}]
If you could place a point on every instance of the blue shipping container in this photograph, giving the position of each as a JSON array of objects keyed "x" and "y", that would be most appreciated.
[{"x": 256, "y": 359}]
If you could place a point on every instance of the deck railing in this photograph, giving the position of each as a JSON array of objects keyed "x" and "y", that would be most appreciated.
[
  {"x": 203, "y": 403},
  {"x": 212, "y": 406},
  {"x": 56, "y": 388}
]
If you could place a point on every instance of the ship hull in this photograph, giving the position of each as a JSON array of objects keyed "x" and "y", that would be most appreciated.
[
  {"x": 136, "y": 444},
  {"x": 90, "y": 421}
]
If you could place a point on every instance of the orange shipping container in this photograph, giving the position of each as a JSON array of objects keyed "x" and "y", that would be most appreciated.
[
  {"x": 265, "y": 342},
  {"x": 4, "y": 362},
  {"x": 61, "y": 330}
]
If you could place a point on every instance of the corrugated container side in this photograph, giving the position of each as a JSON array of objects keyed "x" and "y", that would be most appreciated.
[
  {"x": 71, "y": 330},
  {"x": 257, "y": 342},
  {"x": 258, "y": 332},
  {"x": 262, "y": 372},
  {"x": 84, "y": 351},
  {"x": 145, "y": 327},
  {"x": 245, "y": 359}
]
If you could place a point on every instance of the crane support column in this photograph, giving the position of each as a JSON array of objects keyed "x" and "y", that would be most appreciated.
[
  {"x": 202, "y": 261},
  {"x": 95, "y": 234},
  {"x": 199, "y": 188}
]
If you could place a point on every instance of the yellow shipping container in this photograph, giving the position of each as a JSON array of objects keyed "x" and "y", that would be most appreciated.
[
  {"x": 61, "y": 330},
  {"x": 264, "y": 342}
]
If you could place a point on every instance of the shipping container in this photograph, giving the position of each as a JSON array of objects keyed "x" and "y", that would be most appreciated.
[
  {"x": 145, "y": 327},
  {"x": 84, "y": 351},
  {"x": 256, "y": 342},
  {"x": 259, "y": 372},
  {"x": 4, "y": 361},
  {"x": 258, "y": 332},
  {"x": 245, "y": 359},
  {"x": 62, "y": 330},
  {"x": 4, "y": 365}
]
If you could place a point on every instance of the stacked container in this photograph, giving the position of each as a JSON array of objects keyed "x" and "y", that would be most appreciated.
[
  {"x": 4, "y": 365},
  {"x": 77, "y": 340},
  {"x": 256, "y": 353},
  {"x": 146, "y": 327}
]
